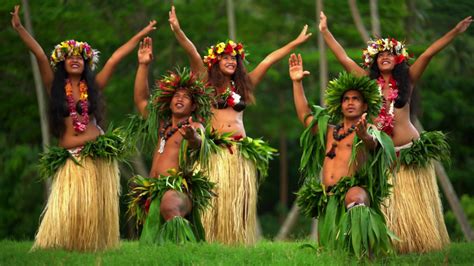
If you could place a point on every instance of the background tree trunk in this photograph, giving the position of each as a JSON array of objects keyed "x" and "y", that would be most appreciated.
[
  {"x": 358, "y": 20},
  {"x": 44, "y": 122}
]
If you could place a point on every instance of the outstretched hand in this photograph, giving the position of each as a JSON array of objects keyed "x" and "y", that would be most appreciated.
[
  {"x": 145, "y": 51},
  {"x": 173, "y": 20},
  {"x": 296, "y": 68},
  {"x": 188, "y": 131},
  {"x": 303, "y": 37},
  {"x": 464, "y": 24},
  {"x": 16, "y": 22},
  {"x": 361, "y": 127},
  {"x": 323, "y": 24}
]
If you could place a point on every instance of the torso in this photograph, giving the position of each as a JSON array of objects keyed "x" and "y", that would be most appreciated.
[
  {"x": 404, "y": 131},
  {"x": 228, "y": 120},
  {"x": 169, "y": 159},
  {"x": 72, "y": 139},
  {"x": 339, "y": 166}
]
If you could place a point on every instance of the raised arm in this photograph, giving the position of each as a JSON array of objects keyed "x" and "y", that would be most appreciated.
[
  {"x": 341, "y": 55},
  {"x": 297, "y": 74},
  {"x": 257, "y": 74},
  {"x": 419, "y": 66},
  {"x": 47, "y": 74},
  {"x": 197, "y": 66},
  {"x": 104, "y": 75},
  {"x": 141, "y": 92}
]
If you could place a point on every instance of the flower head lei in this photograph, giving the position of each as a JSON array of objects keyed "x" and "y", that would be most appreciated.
[
  {"x": 345, "y": 82},
  {"x": 72, "y": 47},
  {"x": 229, "y": 47},
  {"x": 388, "y": 44},
  {"x": 167, "y": 86}
]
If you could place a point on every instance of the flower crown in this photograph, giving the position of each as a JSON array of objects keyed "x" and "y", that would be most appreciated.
[
  {"x": 388, "y": 44},
  {"x": 345, "y": 82},
  {"x": 167, "y": 86},
  {"x": 72, "y": 47},
  {"x": 229, "y": 47}
]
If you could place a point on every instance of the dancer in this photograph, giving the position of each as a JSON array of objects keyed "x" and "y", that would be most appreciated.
[
  {"x": 174, "y": 190},
  {"x": 233, "y": 216},
  {"x": 354, "y": 158},
  {"x": 82, "y": 212},
  {"x": 414, "y": 211}
]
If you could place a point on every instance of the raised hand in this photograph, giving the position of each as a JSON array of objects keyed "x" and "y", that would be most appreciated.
[
  {"x": 145, "y": 51},
  {"x": 303, "y": 37},
  {"x": 296, "y": 68},
  {"x": 16, "y": 22},
  {"x": 149, "y": 28},
  {"x": 173, "y": 20},
  {"x": 323, "y": 25},
  {"x": 464, "y": 24}
]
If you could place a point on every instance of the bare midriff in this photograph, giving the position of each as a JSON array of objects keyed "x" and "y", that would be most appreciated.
[
  {"x": 72, "y": 139},
  {"x": 404, "y": 131},
  {"x": 228, "y": 120}
]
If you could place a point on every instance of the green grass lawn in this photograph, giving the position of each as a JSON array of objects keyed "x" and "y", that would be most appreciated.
[{"x": 264, "y": 253}]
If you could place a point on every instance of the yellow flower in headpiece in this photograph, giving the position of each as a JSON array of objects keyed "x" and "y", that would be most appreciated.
[
  {"x": 229, "y": 47},
  {"x": 220, "y": 47}
]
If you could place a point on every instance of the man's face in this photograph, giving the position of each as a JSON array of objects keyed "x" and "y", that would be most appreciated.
[
  {"x": 182, "y": 103},
  {"x": 353, "y": 105}
]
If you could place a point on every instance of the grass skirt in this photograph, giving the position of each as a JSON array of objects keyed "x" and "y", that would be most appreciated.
[
  {"x": 82, "y": 212},
  {"x": 414, "y": 212},
  {"x": 232, "y": 218}
]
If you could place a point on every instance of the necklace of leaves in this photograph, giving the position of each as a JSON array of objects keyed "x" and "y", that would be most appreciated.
[
  {"x": 165, "y": 136},
  {"x": 338, "y": 137}
]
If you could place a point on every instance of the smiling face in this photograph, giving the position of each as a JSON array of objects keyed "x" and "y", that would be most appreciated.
[
  {"x": 386, "y": 61},
  {"x": 353, "y": 105},
  {"x": 182, "y": 103},
  {"x": 74, "y": 65},
  {"x": 227, "y": 64}
]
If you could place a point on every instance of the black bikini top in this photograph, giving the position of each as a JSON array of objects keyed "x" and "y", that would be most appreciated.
[
  {"x": 78, "y": 108},
  {"x": 222, "y": 104}
]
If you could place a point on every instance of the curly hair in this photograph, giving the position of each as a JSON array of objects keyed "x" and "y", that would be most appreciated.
[
  {"x": 58, "y": 108},
  {"x": 401, "y": 75},
  {"x": 240, "y": 77}
]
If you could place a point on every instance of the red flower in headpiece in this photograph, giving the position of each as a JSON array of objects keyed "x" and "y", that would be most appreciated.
[
  {"x": 399, "y": 59},
  {"x": 228, "y": 49}
]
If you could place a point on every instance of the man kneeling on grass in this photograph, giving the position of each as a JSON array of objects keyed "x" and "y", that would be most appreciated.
[
  {"x": 168, "y": 203},
  {"x": 354, "y": 158}
]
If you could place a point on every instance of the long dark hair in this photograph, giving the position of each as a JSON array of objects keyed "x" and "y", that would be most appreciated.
[
  {"x": 240, "y": 77},
  {"x": 58, "y": 108},
  {"x": 401, "y": 75}
]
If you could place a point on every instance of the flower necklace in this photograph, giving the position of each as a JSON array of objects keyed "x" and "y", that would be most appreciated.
[
  {"x": 78, "y": 123},
  {"x": 385, "y": 119},
  {"x": 338, "y": 137},
  {"x": 228, "y": 98},
  {"x": 165, "y": 136}
]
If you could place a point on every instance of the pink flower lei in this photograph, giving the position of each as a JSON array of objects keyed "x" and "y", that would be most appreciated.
[{"x": 385, "y": 119}]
